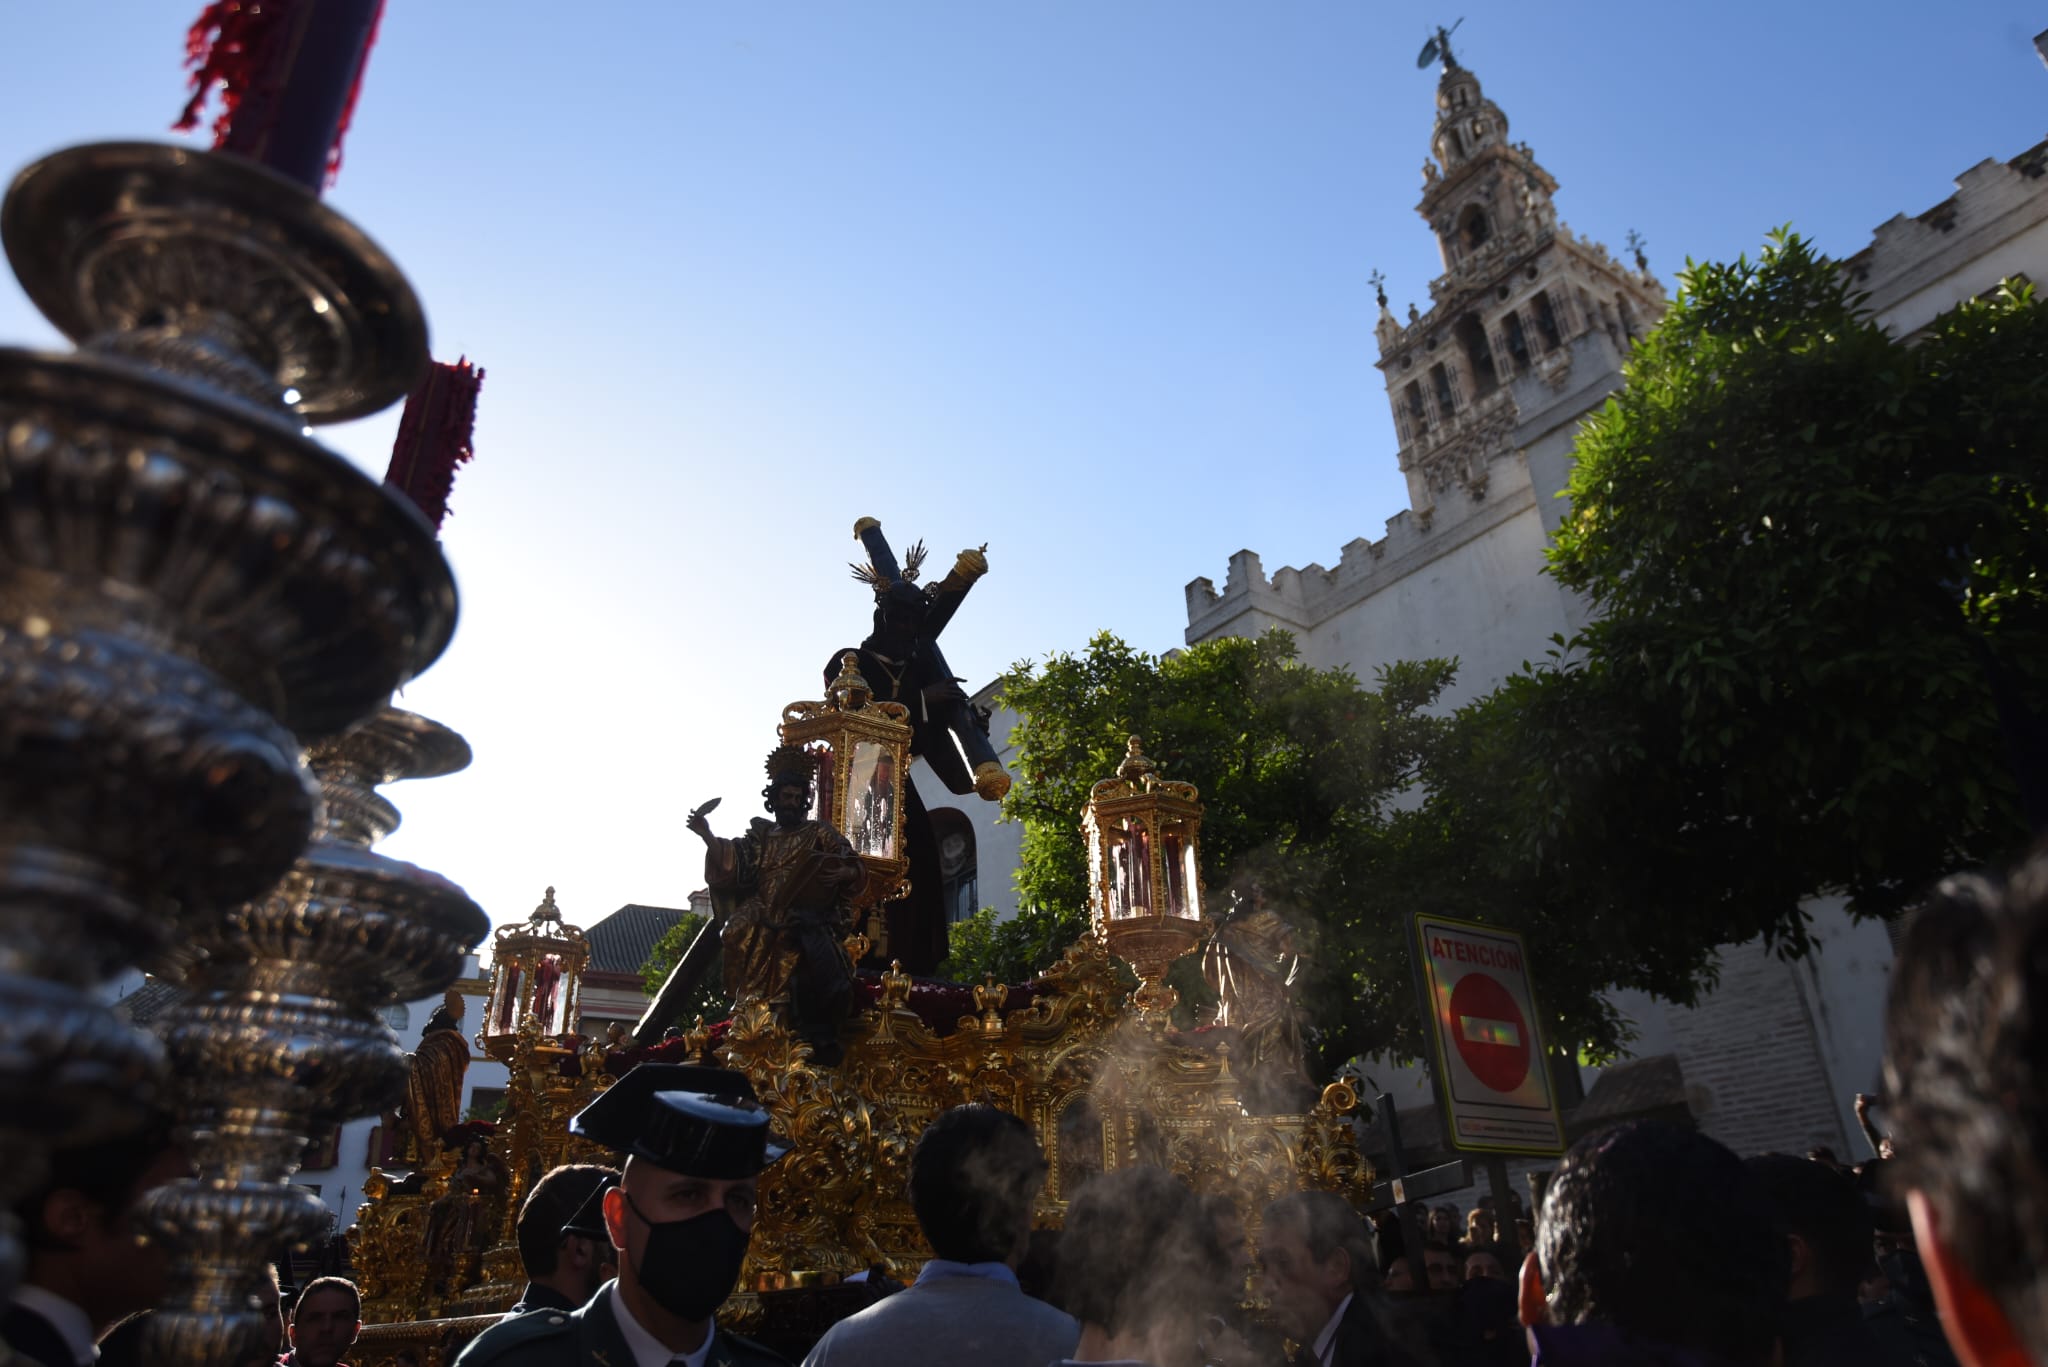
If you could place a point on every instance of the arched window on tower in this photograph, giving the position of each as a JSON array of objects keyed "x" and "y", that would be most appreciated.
[
  {"x": 1628, "y": 316},
  {"x": 1440, "y": 382},
  {"x": 1418, "y": 411},
  {"x": 1546, "y": 322},
  {"x": 1516, "y": 339},
  {"x": 1474, "y": 227},
  {"x": 1471, "y": 335},
  {"x": 958, "y": 885}
]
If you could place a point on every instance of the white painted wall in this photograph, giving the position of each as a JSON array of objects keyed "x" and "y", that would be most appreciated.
[{"x": 1478, "y": 603}]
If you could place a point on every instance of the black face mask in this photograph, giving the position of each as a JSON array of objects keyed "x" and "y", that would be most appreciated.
[{"x": 690, "y": 1266}]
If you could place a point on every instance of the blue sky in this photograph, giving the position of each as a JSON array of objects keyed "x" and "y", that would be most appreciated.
[{"x": 1087, "y": 282}]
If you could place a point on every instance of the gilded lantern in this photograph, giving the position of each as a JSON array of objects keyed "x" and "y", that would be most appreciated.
[
  {"x": 1143, "y": 833},
  {"x": 536, "y": 970},
  {"x": 863, "y": 753}
]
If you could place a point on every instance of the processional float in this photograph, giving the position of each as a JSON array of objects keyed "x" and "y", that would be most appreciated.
[
  {"x": 196, "y": 598},
  {"x": 1092, "y": 1063}
]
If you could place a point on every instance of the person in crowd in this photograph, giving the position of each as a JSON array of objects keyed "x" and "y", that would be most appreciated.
[
  {"x": 974, "y": 1177},
  {"x": 1902, "y": 1313},
  {"x": 1445, "y": 1224},
  {"x": 1481, "y": 1330},
  {"x": 1829, "y": 1235},
  {"x": 1656, "y": 1244},
  {"x": 1230, "y": 1336},
  {"x": 1323, "y": 1283},
  {"x": 1440, "y": 1265},
  {"x": 271, "y": 1305},
  {"x": 1138, "y": 1269},
  {"x": 1481, "y": 1231},
  {"x": 1228, "y": 1227},
  {"x": 324, "y": 1323},
  {"x": 1399, "y": 1279},
  {"x": 565, "y": 1262},
  {"x": 696, "y": 1141},
  {"x": 87, "y": 1268},
  {"x": 1525, "y": 1239},
  {"x": 1965, "y": 1077},
  {"x": 1484, "y": 1262}
]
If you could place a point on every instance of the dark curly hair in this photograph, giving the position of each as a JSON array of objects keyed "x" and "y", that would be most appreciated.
[
  {"x": 1966, "y": 1082},
  {"x": 1660, "y": 1232}
]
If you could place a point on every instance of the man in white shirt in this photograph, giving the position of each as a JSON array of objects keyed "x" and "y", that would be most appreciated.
[
  {"x": 87, "y": 1266},
  {"x": 974, "y": 1177}
]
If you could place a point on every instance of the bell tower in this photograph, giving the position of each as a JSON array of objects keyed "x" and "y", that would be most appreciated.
[{"x": 1517, "y": 320}]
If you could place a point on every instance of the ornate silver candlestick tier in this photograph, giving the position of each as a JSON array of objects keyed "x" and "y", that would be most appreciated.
[
  {"x": 188, "y": 583},
  {"x": 280, "y": 1036}
]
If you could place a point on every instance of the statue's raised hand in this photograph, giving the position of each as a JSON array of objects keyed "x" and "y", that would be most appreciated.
[{"x": 697, "y": 822}]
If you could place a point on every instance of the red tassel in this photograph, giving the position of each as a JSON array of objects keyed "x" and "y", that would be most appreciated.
[
  {"x": 250, "y": 49},
  {"x": 435, "y": 435},
  {"x": 237, "y": 45}
]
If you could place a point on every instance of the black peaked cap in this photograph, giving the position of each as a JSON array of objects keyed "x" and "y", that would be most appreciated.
[{"x": 700, "y": 1122}]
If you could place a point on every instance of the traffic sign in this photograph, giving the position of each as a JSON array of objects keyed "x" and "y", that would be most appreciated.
[{"x": 1491, "y": 1069}]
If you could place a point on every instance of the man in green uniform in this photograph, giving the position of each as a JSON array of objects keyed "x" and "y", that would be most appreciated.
[{"x": 695, "y": 1142}]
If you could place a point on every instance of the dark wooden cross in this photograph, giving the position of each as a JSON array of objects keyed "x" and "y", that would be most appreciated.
[{"x": 1407, "y": 1193}]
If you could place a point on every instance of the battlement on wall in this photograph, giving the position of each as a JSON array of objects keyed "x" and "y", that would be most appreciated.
[
  {"x": 1301, "y": 599},
  {"x": 1994, "y": 200}
]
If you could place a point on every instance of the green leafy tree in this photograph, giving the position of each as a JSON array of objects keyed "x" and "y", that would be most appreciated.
[
  {"x": 1013, "y": 950},
  {"x": 709, "y": 1000},
  {"x": 1818, "y": 559},
  {"x": 1316, "y": 789}
]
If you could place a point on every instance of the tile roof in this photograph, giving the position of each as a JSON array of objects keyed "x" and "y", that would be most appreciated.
[{"x": 621, "y": 942}]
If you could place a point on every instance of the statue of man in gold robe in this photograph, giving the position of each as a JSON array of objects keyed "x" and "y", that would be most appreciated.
[
  {"x": 785, "y": 890},
  {"x": 433, "y": 1085}
]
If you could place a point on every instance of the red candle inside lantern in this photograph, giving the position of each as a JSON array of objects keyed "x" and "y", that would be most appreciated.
[{"x": 288, "y": 72}]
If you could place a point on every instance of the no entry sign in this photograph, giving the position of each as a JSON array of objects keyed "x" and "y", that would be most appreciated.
[{"x": 1490, "y": 1063}]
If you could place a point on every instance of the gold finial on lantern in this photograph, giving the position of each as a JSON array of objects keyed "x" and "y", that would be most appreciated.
[{"x": 850, "y": 692}]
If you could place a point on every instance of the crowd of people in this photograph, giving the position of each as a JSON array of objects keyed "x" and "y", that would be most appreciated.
[{"x": 1653, "y": 1243}]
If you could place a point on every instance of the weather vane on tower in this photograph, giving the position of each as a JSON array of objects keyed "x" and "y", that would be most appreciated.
[{"x": 1439, "y": 46}]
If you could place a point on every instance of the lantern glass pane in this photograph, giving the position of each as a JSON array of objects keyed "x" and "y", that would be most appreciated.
[
  {"x": 1130, "y": 862},
  {"x": 1173, "y": 862},
  {"x": 871, "y": 793},
  {"x": 1191, "y": 880},
  {"x": 550, "y": 1001},
  {"x": 505, "y": 1010}
]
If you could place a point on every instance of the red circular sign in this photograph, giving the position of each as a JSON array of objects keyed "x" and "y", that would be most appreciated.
[{"x": 1489, "y": 1031}]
